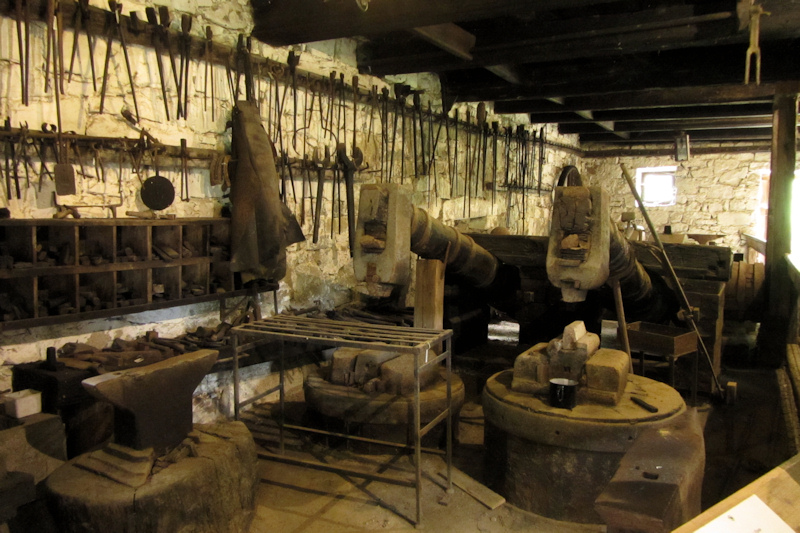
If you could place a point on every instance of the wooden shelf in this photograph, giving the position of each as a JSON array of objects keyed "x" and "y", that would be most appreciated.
[{"x": 98, "y": 268}]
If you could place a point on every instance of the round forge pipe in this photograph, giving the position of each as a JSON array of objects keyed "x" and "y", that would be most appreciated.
[{"x": 431, "y": 239}]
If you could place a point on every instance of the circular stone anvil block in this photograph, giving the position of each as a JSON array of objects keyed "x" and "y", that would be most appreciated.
[{"x": 153, "y": 403}]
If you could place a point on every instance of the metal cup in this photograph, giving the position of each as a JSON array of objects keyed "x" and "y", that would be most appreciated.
[{"x": 563, "y": 393}]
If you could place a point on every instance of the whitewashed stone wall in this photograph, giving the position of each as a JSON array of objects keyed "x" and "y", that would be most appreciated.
[
  {"x": 318, "y": 274},
  {"x": 716, "y": 193}
]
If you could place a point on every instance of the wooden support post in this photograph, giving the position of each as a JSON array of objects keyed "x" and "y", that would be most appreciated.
[
  {"x": 774, "y": 331},
  {"x": 429, "y": 296}
]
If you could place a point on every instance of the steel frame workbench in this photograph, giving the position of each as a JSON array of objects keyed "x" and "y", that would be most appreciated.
[{"x": 422, "y": 343}]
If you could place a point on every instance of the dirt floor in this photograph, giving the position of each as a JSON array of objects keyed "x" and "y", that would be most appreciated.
[{"x": 743, "y": 442}]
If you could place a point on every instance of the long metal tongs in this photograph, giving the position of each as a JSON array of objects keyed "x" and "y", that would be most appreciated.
[
  {"x": 116, "y": 8},
  {"x": 157, "y": 39},
  {"x": 81, "y": 22}
]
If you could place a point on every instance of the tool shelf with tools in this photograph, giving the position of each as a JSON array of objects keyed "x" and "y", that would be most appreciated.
[
  {"x": 334, "y": 97},
  {"x": 56, "y": 271}
]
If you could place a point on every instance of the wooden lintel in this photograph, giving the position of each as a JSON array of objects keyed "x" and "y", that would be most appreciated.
[{"x": 449, "y": 37}]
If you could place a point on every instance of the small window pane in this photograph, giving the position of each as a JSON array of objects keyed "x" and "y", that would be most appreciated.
[{"x": 656, "y": 186}]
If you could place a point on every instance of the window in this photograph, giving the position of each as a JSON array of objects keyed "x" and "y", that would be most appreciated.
[{"x": 656, "y": 186}]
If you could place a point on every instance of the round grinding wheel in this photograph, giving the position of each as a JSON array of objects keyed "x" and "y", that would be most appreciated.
[{"x": 157, "y": 192}]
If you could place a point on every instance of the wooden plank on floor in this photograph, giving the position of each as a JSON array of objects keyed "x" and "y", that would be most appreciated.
[{"x": 477, "y": 490}]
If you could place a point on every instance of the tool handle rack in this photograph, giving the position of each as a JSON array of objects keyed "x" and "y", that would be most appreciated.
[{"x": 324, "y": 332}]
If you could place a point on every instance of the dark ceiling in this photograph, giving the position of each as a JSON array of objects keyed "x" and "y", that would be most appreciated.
[{"x": 629, "y": 72}]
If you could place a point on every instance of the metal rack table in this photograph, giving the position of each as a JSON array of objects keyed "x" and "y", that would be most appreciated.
[{"x": 333, "y": 333}]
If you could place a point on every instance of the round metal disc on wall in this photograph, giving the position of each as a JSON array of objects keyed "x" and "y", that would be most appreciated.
[{"x": 157, "y": 192}]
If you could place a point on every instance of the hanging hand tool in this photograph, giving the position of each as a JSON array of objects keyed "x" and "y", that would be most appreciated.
[
  {"x": 394, "y": 134},
  {"x": 186, "y": 59},
  {"x": 157, "y": 40},
  {"x": 342, "y": 109},
  {"x": 495, "y": 131},
  {"x": 401, "y": 92},
  {"x": 468, "y": 165},
  {"x": 164, "y": 18},
  {"x": 541, "y": 156},
  {"x": 59, "y": 46},
  {"x": 508, "y": 169},
  {"x": 321, "y": 166},
  {"x": 373, "y": 100},
  {"x": 384, "y": 114},
  {"x": 349, "y": 169},
  {"x": 291, "y": 179},
  {"x": 355, "y": 111},
  {"x": 64, "y": 173},
  {"x": 109, "y": 42},
  {"x": 49, "y": 19},
  {"x": 336, "y": 204},
  {"x": 209, "y": 68},
  {"x": 11, "y": 163},
  {"x": 417, "y": 111},
  {"x": 81, "y": 22},
  {"x": 454, "y": 176},
  {"x": 293, "y": 60},
  {"x": 116, "y": 9},
  {"x": 306, "y": 190},
  {"x": 284, "y": 164},
  {"x": 184, "y": 171},
  {"x": 482, "y": 137},
  {"x": 23, "y": 53},
  {"x": 24, "y": 142},
  {"x": 449, "y": 151}
]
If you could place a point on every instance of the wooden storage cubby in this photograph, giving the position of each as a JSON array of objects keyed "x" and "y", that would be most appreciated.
[
  {"x": 57, "y": 271},
  {"x": 168, "y": 279},
  {"x": 57, "y": 295},
  {"x": 133, "y": 244},
  {"x": 96, "y": 245}
]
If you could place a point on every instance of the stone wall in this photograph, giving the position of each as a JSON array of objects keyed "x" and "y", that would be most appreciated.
[
  {"x": 716, "y": 193},
  {"x": 319, "y": 274}
]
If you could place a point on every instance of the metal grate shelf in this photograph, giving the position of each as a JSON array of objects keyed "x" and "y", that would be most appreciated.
[{"x": 336, "y": 333}]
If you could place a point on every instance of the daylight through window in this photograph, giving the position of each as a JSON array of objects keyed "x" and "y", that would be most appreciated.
[{"x": 656, "y": 186}]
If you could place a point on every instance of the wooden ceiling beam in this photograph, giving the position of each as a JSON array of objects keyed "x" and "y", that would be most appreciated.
[
  {"x": 449, "y": 37},
  {"x": 659, "y": 34},
  {"x": 659, "y": 114},
  {"x": 743, "y": 134},
  {"x": 674, "y": 125},
  {"x": 285, "y": 22},
  {"x": 648, "y": 98}
]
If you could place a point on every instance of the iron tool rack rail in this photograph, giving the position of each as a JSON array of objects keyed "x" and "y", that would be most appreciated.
[{"x": 333, "y": 333}]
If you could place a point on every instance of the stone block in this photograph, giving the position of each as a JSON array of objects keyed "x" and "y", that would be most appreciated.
[
  {"x": 35, "y": 444},
  {"x": 23, "y": 403},
  {"x": 16, "y": 489},
  {"x": 398, "y": 375},
  {"x": 607, "y": 375},
  {"x": 343, "y": 365},
  {"x": 572, "y": 333},
  {"x": 532, "y": 371},
  {"x": 368, "y": 364}
]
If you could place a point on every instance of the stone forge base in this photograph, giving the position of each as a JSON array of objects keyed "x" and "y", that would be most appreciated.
[
  {"x": 556, "y": 462},
  {"x": 212, "y": 490},
  {"x": 382, "y": 416}
]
